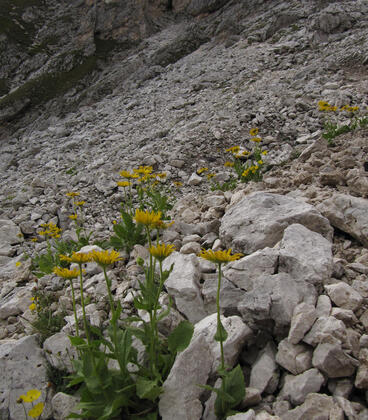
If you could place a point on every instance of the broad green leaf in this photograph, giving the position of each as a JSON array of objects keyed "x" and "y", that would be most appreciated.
[
  {"x": 147, "y": 389},
  {"x": 77, "y": 341},
  {"x": 180, "y": 338},
  {"x": 221, "y": 333}
]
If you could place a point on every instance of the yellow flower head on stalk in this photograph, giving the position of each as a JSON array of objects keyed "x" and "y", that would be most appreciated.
[
  {"x": 18, "y": 264},
  {"x": 201, "y": 170},
  {"x": 234, "y": 149},
  {"x": 80, "y": 203},
  {"x": 229, "y": 164},
  {"x": 73, "y": 216},
  {"x": 353, "y": 108},
  {"x": 219, "y": 257},
  {"x": 147, "y": 218},
  {"x": 37, "y": 410},
  {"x": 32, "y": 395},
  {"x": 211, "y": 175},
  {"x": 323, "y": 105},
  {"x": 246, "y": 172},
  {"x": 162, "y": 175},
  {"x": 178, "y": 184},
  {"x": 264, "y": 152},
  {"x": 66, "y": 273},
  {"x": 161, "y": 251},
  {"x": 51, "y": 230},
  {"x": 143, "y": 170},
  {"x": 332, "y": 108},
  {"x": 34, "y": 239},
  {"x": 127, "y": 175},
  {"x": 124, "y": 184},
  {"x": 256, "y": 139},
  {"x": 260, "y": 162},
  {"x": 253, "y": 131},
  {"x": 72, "y": 194},
  {"x": 77, "y": 257},
  {"x": 105, "y": 258}
]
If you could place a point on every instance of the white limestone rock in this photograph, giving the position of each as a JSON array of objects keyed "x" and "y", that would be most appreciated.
[
  {"x": 303, "y": 318},
  {"x": 296, "y": 358},
  {"x": 259, "y": 220},
  {"x": 183, "y": 285},
  {"x": 344, "y": 295},
  {"x": 325, "y": 327},
  {"x": 316, "y": 406},
  {"x": 60, "y": 352},
  {"x": 265, "y": 373},
  {"x": 63, "y": 405}
]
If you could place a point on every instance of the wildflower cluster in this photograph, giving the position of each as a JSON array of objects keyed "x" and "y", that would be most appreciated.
[
  {"x": 247, "y": 164},
  {"x": 31, "y": 396},
  {"x": 325, "y": 106},
  {"x": 77, "y": 217},
  {"x": 50, "y": 230}
]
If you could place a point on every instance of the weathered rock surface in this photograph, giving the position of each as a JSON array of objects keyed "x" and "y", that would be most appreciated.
[
  {"x": 296, "y": 358},
  {"x": 265, "y": 374}
]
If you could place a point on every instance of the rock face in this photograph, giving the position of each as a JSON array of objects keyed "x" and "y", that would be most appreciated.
[{"x": 259, "y": 220}]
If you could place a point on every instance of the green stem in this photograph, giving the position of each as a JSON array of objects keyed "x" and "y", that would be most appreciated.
[
  {"x": 74, "y": 308},
  {"x": 108, "y": 285},
  {"x": 25, "y": 411},
  {"x": 83, "y": 306},
  {"x": 218, "y": 316}
]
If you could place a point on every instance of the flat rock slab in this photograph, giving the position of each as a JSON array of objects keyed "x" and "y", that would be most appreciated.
[
  {"x": 349, "y": 214},
  {"x": 259, "y": 221},
  {"x": 22, "y": 367}
]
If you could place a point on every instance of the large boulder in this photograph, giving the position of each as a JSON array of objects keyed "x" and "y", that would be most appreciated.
[{"x": 259, "y": 220}]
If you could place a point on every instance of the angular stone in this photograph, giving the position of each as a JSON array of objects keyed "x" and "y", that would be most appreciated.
[
  {"x": 63, "y": 405},
  {"x": 303, "y": 318},
  {"x": 180, "y": 396},
  {"x": 60, "y": 352},
  {"x": 15, "y": 302},
  {"x": 249, "y": 415},
  {"x": 10, "y": 234},
  {"x": 265, "y": 374},
  {"x": 259, "y": 220},
  {"x": 361, "y": 379},
  {"x": 326, "y": 327},
  {"x": 344, "y": 295},
  {"x": 323, "y": 307},
  {"x": 305, "y": 255},
  {"x": 183, "y": 285},
  {"x": 349, "y": 214},
  {"x": 296, "y": 358},
  {"x": 272, "y": 300},
  {"x": 316, "y": 406},
  {"x": 245, "y": 272},
  {"x": 297, "y": 388},
  {"x": 333, "y": 361}
]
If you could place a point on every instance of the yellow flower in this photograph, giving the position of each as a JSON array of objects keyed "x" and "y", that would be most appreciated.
[
  {"x": 66, "y": 273},
  {"x": 80, "y": 203},
  {"x": 209, "y": 176},
  {"x": 34, "y": 239},
  {"x": 161, "y": 251},
  {"x": 114, "y": 222},
  {"x": 253, "y": 131},
  {"x": 256, "y": 139},
  {"x": 178, "y": 184},
  {"x": 246, "y": 172},
  {"x": 323, "y": 105},
  {"x": 73, "y": 216},
  {"x": 124, "y": 184},
  {"x": 149, "y": 219},
  {"x": 51, "y": 230},
  {"x": 144, "y": 170},
  {"x": 106, "y": 257},
  {"x": 260, "y": 162},
  {"x": 127, "y": 175},
  {"x": 77, "y": 257},
  {"x": 32, "y": 306},
  {"x": 234, "y": 149},
  {"x": 201, "y": 170},
  {"x": 219, "y": 257},
  {"x": 18, "y": 264},
  {"x": 37, "y": 410},
  {"x": 229, "y": 164},
  {"x": 162, "y": 175},
  {"x": 72, "y": 194},
  {"x": 32, "y": 395},
  {"x": 264, "y": 152}
]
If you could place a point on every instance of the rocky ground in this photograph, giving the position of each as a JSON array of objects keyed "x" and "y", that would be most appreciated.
[{"x": 296, "y": 305}]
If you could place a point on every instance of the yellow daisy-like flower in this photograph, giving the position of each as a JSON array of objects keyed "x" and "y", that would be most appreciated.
[
  {"x": 260, "y": 162},
  {"x": 201, "y": 170},
  {"x": 37, "y": 410},
  {"x": 253, "y": 131},
  {"x": 234, "y": 149},
  {"x": 161, "y": 251},
  {"x": 66, "y": 273},
  {"x": 80, "y": 203},
  {"x": 256, "y": 139},
  {"x": 32, "y": 395},
  {"x": 209, "y": 176},
  {"x": 264, "y": 152},
  {"x": 73, "y": 216},
  {"x": 246, "y": 172},
  {"x": 72, "y": 194},
  {"x": 77, "y": 257},
  {"x": 323, "y": 105},
  {"x": 18, "y": 264},
  {"x": 144, "y": 170},
  {"x": 219, "y": 257},
  {"x": 229, "y": 164},
  {"x": 51, "y": 230},
  {"x": 32, "y": 306},
  {"x": 34, "y": 239},
  {"x": 128, "y": 175},
  {"x": 124, "y": 184},
  {"x": 162, "y": 175},
  {"x": 105, "y": 258},
  {"x": 178, "y": 184},
  {"x": 147, "y": 218}
]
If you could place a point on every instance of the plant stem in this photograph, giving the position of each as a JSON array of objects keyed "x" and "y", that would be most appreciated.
[
  {"x": 74, "y": 309},
  {"x": 218, "y": 316},
  {"x": 83, "y": 305},
  {"x": 108, "y": 285}
]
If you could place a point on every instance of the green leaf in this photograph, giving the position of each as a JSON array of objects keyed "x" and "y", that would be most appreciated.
[
  {"x": 147, "y": 389},
  {"x": 77, "y": 341},
  {"x": 180, "y": 338},
  {"x": 221, "y": 333}
]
